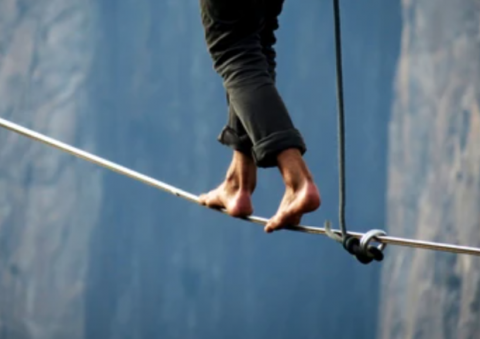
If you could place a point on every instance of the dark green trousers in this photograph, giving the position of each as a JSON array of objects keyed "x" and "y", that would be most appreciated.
[{"x": 240, "y": 37}]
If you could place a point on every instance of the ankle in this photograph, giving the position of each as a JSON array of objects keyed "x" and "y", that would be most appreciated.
[
  {"x": 293, "y": 169},
  {"x": 232, "y": 180},
  {"x": 296, "y": 183},
  {"x": 241, "y": 175}
]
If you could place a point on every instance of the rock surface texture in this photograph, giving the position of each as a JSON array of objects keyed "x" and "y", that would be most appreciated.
[
  {"x": 87, "y": 253},
  {"x": 48, "y": 201},
  {"x": 434, "y": 174}
]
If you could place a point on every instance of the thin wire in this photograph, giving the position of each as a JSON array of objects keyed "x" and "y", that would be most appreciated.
[
  {"x": 193, "y": 198},
  {"x": 341, "y": 120}
]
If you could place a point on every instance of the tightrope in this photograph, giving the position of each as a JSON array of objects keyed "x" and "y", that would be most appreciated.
[{"x": 194, "y": 198}]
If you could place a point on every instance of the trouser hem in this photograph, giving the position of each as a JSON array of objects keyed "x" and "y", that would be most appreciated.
[
  {"x": 229, "y": 137},
  {"x": 265, "y": 152}
]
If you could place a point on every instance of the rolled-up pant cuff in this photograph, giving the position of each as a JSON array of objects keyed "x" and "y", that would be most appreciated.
[
  {"x": 242, "y": 143},
  {"x": 265, "y": 152}
]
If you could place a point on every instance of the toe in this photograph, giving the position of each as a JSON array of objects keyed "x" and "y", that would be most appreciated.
[
  {"x": 202, "y": 198},
  {"x": 271, "y": 225},
  {"x": 281, "y": 221},
  {"x": 213, "y": 200}
]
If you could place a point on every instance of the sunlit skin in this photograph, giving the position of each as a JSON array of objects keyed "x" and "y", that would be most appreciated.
[{"x": 234, "y": 193}]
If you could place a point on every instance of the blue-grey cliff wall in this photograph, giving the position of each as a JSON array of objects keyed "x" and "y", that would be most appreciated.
[
  {"x": 434, "y": 174},
  {"x": 86, "y": 253}
]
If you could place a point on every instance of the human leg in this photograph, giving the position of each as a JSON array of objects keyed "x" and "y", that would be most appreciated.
[
  {"x": 271, "y": 11},
  {"x": 234, "y": 193},
  {"x": 232, "y": 32},
  {"x": 240, "y": 38},
  {"x": 301, "y": 194},
  {"x": 225, "y": 22}
]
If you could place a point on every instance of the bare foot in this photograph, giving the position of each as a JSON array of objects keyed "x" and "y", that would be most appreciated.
[
  {"x": 301, "y": 194},
  {"x": 234, "y": 194}
]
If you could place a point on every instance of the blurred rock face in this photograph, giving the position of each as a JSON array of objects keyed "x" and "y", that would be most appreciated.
[
  {"x": 434, "y": 174},
  {"x": 48, "y": 201},
  {"x": 86, "y": 253}
]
